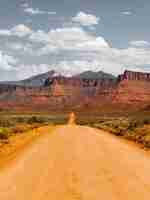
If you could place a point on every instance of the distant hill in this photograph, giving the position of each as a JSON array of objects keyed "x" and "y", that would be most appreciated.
[
  {"x": 34, "y": 81},
  {"x": 86, "y": 91},
  {"x": 95, "y": 75},
  {"x": 39, "y": 80}
]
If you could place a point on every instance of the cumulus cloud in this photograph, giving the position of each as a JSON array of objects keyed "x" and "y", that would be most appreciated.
[
  {"x": 73, "y": 38},
  {"x": 85, "y": 19},
  {"x": 60, "y": 39},
  {"x": 21, "y": 48},
  {"x": 74, "y": 34},
  {"x": 140, "y": 43},
  {"x": 20, "y": 30},
  {"x": 48, "y": 49},
  {"x": 96, "y": 49},
  {"x": 72, "y": 50},
  {"x": 110, "y": 60},
  {"x": 37, "y": 11},
  {"x": 14, "y": 46},
  {"x": 77, "y": 66},
  {"x": 137, "y": 69},
  {"x": 63, "y": 67},
  {"x": 5, "y": 32},
  {"x": 39, "y": 36},
  {"x": 94, "y": 44},
  {"x": 113, "y": 60},
  {"x": 7, "y": 62},
  {"x": 25, "y": 71}
]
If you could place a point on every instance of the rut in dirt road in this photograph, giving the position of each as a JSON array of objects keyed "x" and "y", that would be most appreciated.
[{"x": 77, "y": 163}]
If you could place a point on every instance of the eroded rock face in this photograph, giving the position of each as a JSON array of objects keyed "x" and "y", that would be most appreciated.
[
  {"x": 134, "y": 76},
  {"x": 133, "y": 88},
  {"x": 132, "y": 92},
  {"x": 60, "y": 92}
]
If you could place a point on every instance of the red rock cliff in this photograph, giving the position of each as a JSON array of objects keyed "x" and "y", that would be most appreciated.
[{"x": 130, "y": 88}]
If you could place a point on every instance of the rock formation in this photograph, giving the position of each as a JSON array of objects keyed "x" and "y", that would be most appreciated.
[
  {"x": 130, "y": 88},
  {"x": 131, "y": 75}
]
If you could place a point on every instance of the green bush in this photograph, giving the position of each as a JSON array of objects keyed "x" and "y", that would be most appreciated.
[
  {"x": 21, "y": 128},
  {"x": 4, "y": 122},
  {"x": 35, "y": 119},
  {"x": 146, "y": 122},
  {"x": 4, "y": 135},
  {"x": 137, "y": 130}
]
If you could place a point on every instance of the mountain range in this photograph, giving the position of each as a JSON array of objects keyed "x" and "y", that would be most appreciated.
[
  {"x": 39, "y": 80},
  {"x": 50, "y": 92}
]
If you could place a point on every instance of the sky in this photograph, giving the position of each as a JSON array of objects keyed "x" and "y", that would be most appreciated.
[{"x": 71, "y": 36}]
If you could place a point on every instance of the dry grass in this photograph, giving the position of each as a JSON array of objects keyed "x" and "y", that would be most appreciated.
[
  {"x": 16, "y": 143},
  {"x": 11, "y": 125},
  {"x": 135, "y": 128}
]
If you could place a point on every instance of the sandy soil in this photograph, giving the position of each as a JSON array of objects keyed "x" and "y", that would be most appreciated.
[
  {"x": 19, "y": 142},
  {"x": 77, "y": 163}
]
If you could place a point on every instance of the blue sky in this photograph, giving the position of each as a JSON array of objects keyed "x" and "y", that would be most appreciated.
[{"x": 72, "y": 36}]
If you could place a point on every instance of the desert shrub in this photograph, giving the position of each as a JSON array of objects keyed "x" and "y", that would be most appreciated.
[
  {"x": 35, "y": 119},
  {"x": 4, "y": 134},
  {"x": 146, "y": 141},
  {"x": 135, "y": 128},
  {"x": 132, "y": 125},
  {"x": 5, "y": 122},
  {"x": 146, "y": 121},
  {"x": 35, "y": 125},
  {"x": 20, "y": 128},
  {"x": 130, "y": 135},
  {"x": 21, "y": 119},
  {"x": 99, "y": 126}
]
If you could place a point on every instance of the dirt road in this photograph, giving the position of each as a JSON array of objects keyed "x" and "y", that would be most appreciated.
[{"x": 77, "y": 163}]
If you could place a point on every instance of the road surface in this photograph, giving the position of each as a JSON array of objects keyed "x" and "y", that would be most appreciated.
[{"x": 77, "y": 163}]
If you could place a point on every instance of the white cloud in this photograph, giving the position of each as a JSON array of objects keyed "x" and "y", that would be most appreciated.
[
  {"x": 140, "y": 43},
  {"x": 77, "y": 66},
  {"x": 24, "y": 5},
  {"x": 51, "y": 13},
  {"x": 20, "y": 30},
  {"x": 33, "y": 11},
  {"x": 68, "y": 36},
  {"x": 39, "y": 36},
  {"x": 21, "y": 48},
  {"x": 86, "y": 19},
  {"x": 73, "y": 38},
  {"x": 5, "y": 32},
  {"x": 37, "y": 11},
  {"x": 93, "y": 45},
  {"x": 7, "y": 62},
  {"x": 137, "y": 69},
  {"x": 110, "y": 60},
  {"x": 75, "y": 50},
  {"x": 85, "y": 46},
  {"x": 126, "y": 13},
  {"x": 63, "y": 67},
  {"x": 48, "y": 49},
  {"x": 60, "y": 39},
  {"x": 25, "y": 71},
  {"x": 14, "y": 46}
]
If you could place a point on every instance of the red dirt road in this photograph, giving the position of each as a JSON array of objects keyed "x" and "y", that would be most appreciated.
[{"x": 77, "y": 163}]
